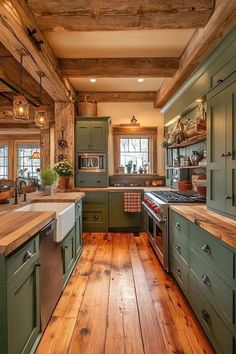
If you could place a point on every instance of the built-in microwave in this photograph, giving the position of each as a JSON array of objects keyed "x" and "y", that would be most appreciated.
[{"x": 91, "y": 162}]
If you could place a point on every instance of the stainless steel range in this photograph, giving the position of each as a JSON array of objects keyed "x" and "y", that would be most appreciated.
[{"x": 156, "y": 215}]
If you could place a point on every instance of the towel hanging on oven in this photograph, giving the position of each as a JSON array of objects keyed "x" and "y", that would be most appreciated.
[{"x": 132, "y": 202}]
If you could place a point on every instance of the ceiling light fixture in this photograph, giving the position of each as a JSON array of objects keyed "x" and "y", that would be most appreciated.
[
  {"x": 93, "y": 80},
  {"x": 199, "y": 100},
  {"x": 140, "y": 79},
  {"x": 41, "y": 115},
  {"x": 35, "y": 155},
  {"x": 20, "y": 103}
]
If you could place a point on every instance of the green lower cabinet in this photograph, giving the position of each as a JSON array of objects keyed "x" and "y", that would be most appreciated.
[
  {"x": 19, "y": 299},
  {"x": 78, "y": 237},
  {"x": 69, "y": 254},
  {"x": 95, "y": 212}
]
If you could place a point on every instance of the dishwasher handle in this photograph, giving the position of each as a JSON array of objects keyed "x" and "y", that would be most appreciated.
[{"x": 48, "y": 229}]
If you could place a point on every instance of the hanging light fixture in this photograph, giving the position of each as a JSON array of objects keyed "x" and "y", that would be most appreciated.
[
  {"x": 41, "y": 115},
  {"x": 35, "y": 155},
  {"x": 20, "y": 103}
]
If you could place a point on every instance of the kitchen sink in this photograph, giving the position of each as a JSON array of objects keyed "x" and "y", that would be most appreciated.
[{"x": 65, "y": 215}]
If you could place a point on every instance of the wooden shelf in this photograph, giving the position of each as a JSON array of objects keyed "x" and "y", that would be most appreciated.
[
  {"x": 179, "y": 167},
  {"x": 188, "y": 142}
]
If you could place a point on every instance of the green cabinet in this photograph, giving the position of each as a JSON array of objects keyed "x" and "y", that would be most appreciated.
[
  {"x": 91, "y": 180},
  {"x": 118, "y": 219},
  {"x": 92, "y": 133},
  {"x": 221, "y": 155},
  {"x": 19, "y": 295},
  {"x": 207, "y": 276},
  {"x": 95, "y": 212},
  {"x": 78, "y": 229},
  {"x": 69, "y": 254}
]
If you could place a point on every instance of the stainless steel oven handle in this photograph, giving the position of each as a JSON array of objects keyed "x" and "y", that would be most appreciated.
[{"x": 152, "y": 214}]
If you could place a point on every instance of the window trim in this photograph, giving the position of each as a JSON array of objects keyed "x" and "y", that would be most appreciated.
[
  {"x": 5, "y": 142},
  {"x": 16, "y": 142},
  {"x": 139, "y": 132}
]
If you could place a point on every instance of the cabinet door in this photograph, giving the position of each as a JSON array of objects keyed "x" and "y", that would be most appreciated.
[
  {"x": 68, "y": 248},
  {"x": 231, "y": 150},
  {"x": 83, "y": 136},
  {"x": 98, "y": 135},
  {"x": 78, "y": 237},
  {"x": 23, "y": 313},
  {"x": 216, "y": 128}
]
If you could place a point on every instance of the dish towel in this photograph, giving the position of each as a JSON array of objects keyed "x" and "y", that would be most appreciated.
[{"x": 132, "y": 202}]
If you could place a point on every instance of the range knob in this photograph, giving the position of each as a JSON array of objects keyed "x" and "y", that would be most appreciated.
[{"x": 157, "y": 210}]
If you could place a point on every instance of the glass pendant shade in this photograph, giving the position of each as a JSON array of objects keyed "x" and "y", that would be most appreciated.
[
  {"x": 20, "y": 108},
  {"x": 41, "y": 117}
]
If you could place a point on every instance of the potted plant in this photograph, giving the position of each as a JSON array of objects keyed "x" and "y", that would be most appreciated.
[
  {"x": 49, "y": 178},
  {"x": 65, "y": 171},
  {"x": 129, "y": 166}
]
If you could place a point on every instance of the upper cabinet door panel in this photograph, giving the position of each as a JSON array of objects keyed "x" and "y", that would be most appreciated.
[
  {"x": 82, "y": 136},
  {"x": 98, "y": 137}
]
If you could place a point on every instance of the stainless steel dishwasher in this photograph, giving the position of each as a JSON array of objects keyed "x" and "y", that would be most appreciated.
[{"x": 51, "y": 272}]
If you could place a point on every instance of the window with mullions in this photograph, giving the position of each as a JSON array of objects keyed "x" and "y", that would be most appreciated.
[
  {"x": 3, "y": 160},
  {"x": 135, "y": 150},
  {"x": 26, "y": 166}
]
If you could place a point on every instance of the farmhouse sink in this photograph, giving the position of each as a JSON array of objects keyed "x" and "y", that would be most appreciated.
[{"x": 65, "y": 215}]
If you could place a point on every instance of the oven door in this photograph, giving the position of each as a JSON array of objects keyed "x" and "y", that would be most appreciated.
[{"x": 157, "y": 235}]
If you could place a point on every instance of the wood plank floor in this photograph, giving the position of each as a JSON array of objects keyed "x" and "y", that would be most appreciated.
[{"x": 120, "y": 301}]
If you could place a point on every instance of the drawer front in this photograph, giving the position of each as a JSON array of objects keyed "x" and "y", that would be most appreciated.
[
  {"x": 213, "y": 252},
  {"x": 95, "y": 197},
  {"x": 91, "y": 180},
  {"x": 218, "y": 334},
  {"x": 179, "y": 270},
  {"x": 78, "y": 209},
  {"x": 23, "y": 258},
  {"x": 217, "y": 291},
  {"x": 223, "y": 67},
  {"x": 180, "y": 244},
  {"x": 178, "y": 224},
  {"x": 95, "y": 218}
]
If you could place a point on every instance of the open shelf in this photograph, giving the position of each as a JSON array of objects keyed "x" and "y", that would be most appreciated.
[
  {"x": 188, "y": 142},
  {"x": 179, "y": 167}
]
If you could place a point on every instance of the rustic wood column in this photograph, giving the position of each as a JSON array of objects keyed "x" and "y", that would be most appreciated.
[
  {"x": 45, "y": 148},
  {"x": 65, "y": 118}
]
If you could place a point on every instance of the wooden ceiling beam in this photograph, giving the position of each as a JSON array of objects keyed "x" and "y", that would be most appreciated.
[
  {"x": 103, "y": 15},
  {"x": 15, "y": 21},
  {"x": 119, "y": 67},
  {"x": 119, "y": 96},
  {"x": 200, "y": 45}
]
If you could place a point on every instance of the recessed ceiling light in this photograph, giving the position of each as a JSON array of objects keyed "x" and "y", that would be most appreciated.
[
  {"x": 93, "y": 80},
  {"x": 140, "y": 79}
]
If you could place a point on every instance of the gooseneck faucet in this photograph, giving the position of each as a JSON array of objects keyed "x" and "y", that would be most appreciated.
[{"x": 22, "y": 181}]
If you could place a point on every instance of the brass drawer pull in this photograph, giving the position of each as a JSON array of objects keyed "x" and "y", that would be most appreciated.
[
  {"x": 206, "y": 280},
  {"x": 206, "y": 249},
  {"x": 178, "y": 249},
  {"x": 27, "y": 256},
  {"x": 178, "y": 272},
  {"x": 206, "y": 317},
  {"x": 178, "y": 226}
]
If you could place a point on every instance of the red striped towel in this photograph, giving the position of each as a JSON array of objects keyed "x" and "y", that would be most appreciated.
[{"x": 132, "y": 202}]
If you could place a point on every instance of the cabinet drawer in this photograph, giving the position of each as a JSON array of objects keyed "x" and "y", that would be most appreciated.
[
  {"x": 217, "y": 291},
  {"x": 223, "y": 66},
  {"x": 91, "y": 180},
  {"x": 78, "y": 209},
  {"x": 179, "y": 270},
  {"x": 180, "y": 244},
  {"x": 213, "y": 251},
  {"x": 219, "y": 335},
  {"x": 179, "y": 225},
  {"x": 23, "y": 258},
  {"x": 95, "y": 197},
  {"x": 95, "y": 218}
]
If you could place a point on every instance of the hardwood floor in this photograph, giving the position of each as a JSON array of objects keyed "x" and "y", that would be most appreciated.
[{"x": 120, "y": 301}]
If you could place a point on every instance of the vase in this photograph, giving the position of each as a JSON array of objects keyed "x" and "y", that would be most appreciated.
[
  {"x": 48, "y": 190},
  {"x": 63, "y": 183}
]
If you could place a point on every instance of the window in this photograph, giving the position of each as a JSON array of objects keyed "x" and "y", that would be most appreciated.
[
  {"x": 135, "y": 150},
  {"x": 136, "y": 144},
  {"x": 3, "y": 160},
  {"x": 26, "y": 166}
]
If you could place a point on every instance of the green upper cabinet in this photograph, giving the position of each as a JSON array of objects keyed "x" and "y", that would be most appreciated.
[
  {"x": 221, "y": 164},
  {"x": 92, "y": 134}
]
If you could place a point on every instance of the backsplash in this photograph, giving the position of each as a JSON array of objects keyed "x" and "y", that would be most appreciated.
[{"x": 135, "y": 180}]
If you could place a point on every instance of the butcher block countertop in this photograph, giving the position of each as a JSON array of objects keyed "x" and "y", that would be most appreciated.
[
  {"x": 121, "y": 189},
  {"x": 62, "y": 197},
  {"x": 19, "y": 227},
  {"x": 219, "y": 226}
]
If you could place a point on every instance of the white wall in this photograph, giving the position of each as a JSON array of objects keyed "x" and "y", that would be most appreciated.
[{"x": 146, "y": 114}]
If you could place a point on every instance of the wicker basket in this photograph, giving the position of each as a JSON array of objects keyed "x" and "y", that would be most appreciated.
[{"x": 88, "y": 108}]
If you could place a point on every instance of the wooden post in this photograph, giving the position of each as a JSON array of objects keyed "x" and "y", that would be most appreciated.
[
  {"x": 65, "y": 118},
  {"x": 45, "y": 149}
]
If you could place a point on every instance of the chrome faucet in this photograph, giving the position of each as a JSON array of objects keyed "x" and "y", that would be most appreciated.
[{"x": 17, "y": 190}]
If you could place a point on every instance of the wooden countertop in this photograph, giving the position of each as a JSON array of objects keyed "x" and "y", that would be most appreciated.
[
  {"x": 6, "y": 208},
  {"x": 19, "y": 226},
  {"x": 219, "y": 226},
  {"x": 62, "y": 197},
  {"x": 121, "y": 189}
]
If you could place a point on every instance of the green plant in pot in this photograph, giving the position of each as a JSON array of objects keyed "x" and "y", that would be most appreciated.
[
  {"x": 65, "y": 171},
  {"x": 129, "y": 166},
  {"x": 49, "y": 177}
]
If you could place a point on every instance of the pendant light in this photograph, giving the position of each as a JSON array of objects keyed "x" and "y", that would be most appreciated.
[
  {"x": 41, "y": 116},
  {"x": 20, "y": 103},
  {"x": 35, "y": 155}
]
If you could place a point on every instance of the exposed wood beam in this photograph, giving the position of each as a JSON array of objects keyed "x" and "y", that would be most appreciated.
[
  {"x": 119, "y": 96},
  {"x": 119, "y": 67},
  {"x": 97, "y": 15},
  {"x": 15, "y": 20},
  {"x": 200, "y": 45}
]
